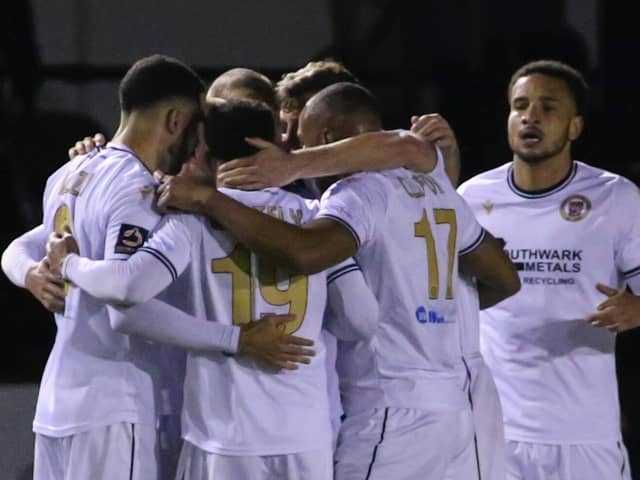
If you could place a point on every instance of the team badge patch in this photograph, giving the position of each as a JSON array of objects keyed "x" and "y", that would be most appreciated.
[
  {"x": 130, "y": 238},
  {"x": 575, "y": 208}
]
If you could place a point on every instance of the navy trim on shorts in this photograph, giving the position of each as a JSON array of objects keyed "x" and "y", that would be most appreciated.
[
  {"x": 475, "y": 436},
  {"x": 133, "y": 449},
  {"x": 162, "y": 259},
  {"x": 375, "y": 450}
]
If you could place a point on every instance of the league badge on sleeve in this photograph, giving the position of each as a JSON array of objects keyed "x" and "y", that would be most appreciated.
[
  {"x": 575, "y": 208},
  {"x": 130, "y": 238}
]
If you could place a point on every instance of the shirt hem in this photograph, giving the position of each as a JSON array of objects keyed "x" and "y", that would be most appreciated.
[
  {"x": 283, "y": 450},
  {"x": 556, "y": 441},
  {"x": 66, "y": 431}
]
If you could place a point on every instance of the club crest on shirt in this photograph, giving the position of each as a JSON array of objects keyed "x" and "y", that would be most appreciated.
[
  {"x": 488, "y": 206},
  {"x": 130, "y": 238},
  {"x": 575, "y": 208}
]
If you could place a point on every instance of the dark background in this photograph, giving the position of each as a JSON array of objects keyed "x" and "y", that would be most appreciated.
[{"x": 60, "y": 63}]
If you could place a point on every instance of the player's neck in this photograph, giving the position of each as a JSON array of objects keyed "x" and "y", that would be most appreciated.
[
  {"x": 541, "y": 175},
  {"x": 140, "y": 139}
]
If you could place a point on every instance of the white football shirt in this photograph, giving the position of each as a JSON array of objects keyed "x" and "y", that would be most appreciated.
[
  {"x": 232, "y": 405},
  {"x": 554, "y": 371},
  {"x": 409, "y": 229},
  {"x": 95, "y": 376}
]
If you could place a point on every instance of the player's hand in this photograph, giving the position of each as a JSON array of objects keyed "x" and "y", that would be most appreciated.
[
  {"x": 187, "y": 193},
  {"x": 87, "y": 144},
  {"x": 271, "y": 166},
  {"x": 265, "y": 341},
  {"x": 435, "y": 129},
  {"x": 58, "y": 247},
  {"x": 46, "y": 287},
  {"x": 619, "y": 312}
]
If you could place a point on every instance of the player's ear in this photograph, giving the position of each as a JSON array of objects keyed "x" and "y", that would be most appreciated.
[
  {"x": 327, "y": 136},
  {"x": 173, "y": 120},
  {"x": 575, "y": 127}
]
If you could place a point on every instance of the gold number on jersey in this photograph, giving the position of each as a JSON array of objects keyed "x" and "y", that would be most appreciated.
[
  {"x": 62, "y": 219},
  {"x": 295, "y": 295},
  {"x": 422, "y": 228},
  {"x": 238, "y": 264},
  {"x": 62, "y": 224}
]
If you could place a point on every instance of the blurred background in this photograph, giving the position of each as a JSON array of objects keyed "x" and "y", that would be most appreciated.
[{"x": 61, "y": 61}]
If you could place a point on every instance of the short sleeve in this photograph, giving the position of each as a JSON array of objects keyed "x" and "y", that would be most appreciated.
[
  {"x": 354, "y": 203},
  {"x": 627, "y": 243},
  {"x": 470, "y": 232},
  {"x": 170, "y": 242},
  {"x": 130, "y": 218}
]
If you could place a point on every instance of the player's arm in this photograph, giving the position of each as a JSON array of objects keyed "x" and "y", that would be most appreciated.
[
  {"x": 129, "y": 280},
  {"x": 352, "y": 309},
  {"x": 620, "y": 310},
  {"x": 308, "y": 249},
  {"x": 496, "y": 276},
  {"x": 23, "y": 263},
  {"x": 23, "y": 254},
  {"x": 262, "y": 340},
  {"x": 272, "y": 166}
]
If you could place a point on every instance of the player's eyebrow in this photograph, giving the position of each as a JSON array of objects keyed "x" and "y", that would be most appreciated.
[
  {"x": 549, "y": 98},
  {"x": 544, "y": 98}
]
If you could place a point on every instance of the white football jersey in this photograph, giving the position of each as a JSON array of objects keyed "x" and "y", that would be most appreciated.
[
  {"x": 232, "y": 405},
  {"x": 469, "y": 316},
  {"x": 409, "y": 229},
  {"x": 95, "y": 376},
  {"x": 554, "y": 371}
]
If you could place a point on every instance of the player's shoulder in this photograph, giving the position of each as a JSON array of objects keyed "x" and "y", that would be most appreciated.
[
  {"x": 494, "y": 178},
  {"x": 361, "y": 182},
  {"x": 281, "y": 203},
  {"x": 586, "y": 171},
  {"x": 598, "y": 178}
]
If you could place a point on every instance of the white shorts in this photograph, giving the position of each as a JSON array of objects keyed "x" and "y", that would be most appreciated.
[
  {"x": 197, "y": 464},
  {"x": 539, "y": 461},
  {"x": 122, "y": 451},
  {"x": 487, "y": 421},
  {"x": 406, "y": 444}
]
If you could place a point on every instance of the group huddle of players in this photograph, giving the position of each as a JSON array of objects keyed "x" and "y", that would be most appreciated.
[{"x": 310, "y": 293}]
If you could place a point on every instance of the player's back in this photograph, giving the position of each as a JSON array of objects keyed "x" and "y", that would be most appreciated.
[
  {"x": 95, "y": 376},
  {"x": 233, "y": 405},
  {"x": 410, "y": 228}
]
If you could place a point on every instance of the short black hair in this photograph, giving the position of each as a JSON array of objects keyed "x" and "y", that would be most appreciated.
[
  {"x": 556, "y": 69},
  {"x": 229, "y": 122},
  {"x": 155, "y": 78},
  {"x": 345, "y": 99}
]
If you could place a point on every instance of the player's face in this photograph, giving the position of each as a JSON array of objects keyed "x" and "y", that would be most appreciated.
[
  {"x": 310, "y": 132},
  {"x": 289, "y": 129},
  {"x": 200, "y": 164},
  {"x": 184, "y": 146},
  {"x": 542, "y": 121}
]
